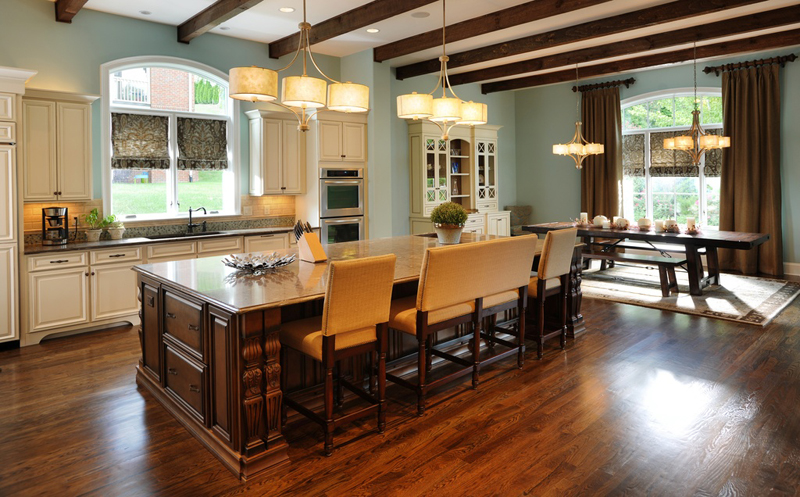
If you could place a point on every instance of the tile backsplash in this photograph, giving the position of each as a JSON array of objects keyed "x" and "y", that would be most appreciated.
[{"x": 257, "y": 212}]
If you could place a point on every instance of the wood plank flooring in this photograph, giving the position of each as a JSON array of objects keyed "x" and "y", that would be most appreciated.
[{"x": 645, "y": 403}]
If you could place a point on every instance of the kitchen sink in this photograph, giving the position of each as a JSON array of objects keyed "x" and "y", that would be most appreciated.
[{"x": 183, "y": 235}]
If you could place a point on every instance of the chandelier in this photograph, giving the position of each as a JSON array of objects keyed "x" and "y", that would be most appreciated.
[
  {"x": 444, "y": 112},
  {"x": 697, "y": 141},
  {"x": 578, "y": 148},
  {"x": 303, "y": 95}
]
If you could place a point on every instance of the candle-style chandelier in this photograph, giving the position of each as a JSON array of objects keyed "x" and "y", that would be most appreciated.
[
  {"x": 698, "y": 140},
  {"x": 578, "y": 148},
  {"x": 444, "y": 112},
  {"x": 302, "y": 95}
]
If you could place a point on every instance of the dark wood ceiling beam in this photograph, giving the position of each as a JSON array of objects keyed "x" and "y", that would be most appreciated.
[
  {"x": 211, "y": 17},
  {"x": 738, "y": 25},
  {"x": 502, "y": 19},
  {"x": 746, "y": 45},
  {"x": 660, "y": 14},
  {"x": 66, "y": 9},
  {"x": 358, "y": 18}
]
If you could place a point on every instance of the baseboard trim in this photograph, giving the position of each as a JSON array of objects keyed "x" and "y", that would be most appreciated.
[{"x": 791, "y": 268}]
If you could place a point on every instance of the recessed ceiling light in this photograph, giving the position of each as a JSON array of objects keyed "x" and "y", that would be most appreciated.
[
  {"x": 145, "y": 12},
  {"x": 420, "y": 15},
  {"x": 373, "y": 30},
  {"x": 224, "y": 28},
  {"x": 287, "y": 10}
]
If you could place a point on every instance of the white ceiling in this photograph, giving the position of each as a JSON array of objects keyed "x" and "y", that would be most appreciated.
[{"x": 265, "y": 23}]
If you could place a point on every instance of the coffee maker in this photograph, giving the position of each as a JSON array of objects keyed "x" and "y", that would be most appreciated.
[{"x": 55, "y": 225}]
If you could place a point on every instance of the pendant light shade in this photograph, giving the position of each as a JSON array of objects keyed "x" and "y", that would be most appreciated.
[
  {"x": 304, "y": 92},
  {"x": 446, "y": 109},
  {"x": 474, "y": 113},
  {"x": 414, "y": 106},
  {"x": 253, "y": 84},
  {"x": 348, "y": 97}
]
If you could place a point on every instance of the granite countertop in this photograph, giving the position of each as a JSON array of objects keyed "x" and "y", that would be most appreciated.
[
  {"x": 239, "y": 292},
  {"x": 125, "y": 242}
]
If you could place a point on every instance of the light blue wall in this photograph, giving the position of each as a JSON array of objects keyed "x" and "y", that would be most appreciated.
[
  {"x": 546, "y": 115},
  {"x": 68, "y": 56}
]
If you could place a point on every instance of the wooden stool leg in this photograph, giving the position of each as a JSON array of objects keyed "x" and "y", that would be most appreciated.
[
  {"x": 421, "y": 367},
  {"x": 339, "y": 388},
  {"x": 563, "y": 295},
  {"x": 521, "y": 327},
  {"x": 476, "y": 353},
  {"x": 382, "y": 338},
  {"x": 428, "y": 354},
  {"x": 662, "y": 275},
  {"x": 328, "y": 410},
  {"x": 540, "y": 331}
]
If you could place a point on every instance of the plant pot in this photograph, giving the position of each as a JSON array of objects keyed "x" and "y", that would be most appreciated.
[
  {"x": 448, "y": 234},
  {"x": 116, "y": 233},
  {"x": 93, "y": 235}
]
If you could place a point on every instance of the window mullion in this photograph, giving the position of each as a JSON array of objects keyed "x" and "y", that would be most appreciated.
[
  {"x": 172, "y": 190},
  {"x": 648, "y": 189}
]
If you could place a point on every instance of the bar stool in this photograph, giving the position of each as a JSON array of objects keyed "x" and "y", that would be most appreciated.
[
  {"x": 552, "y": 279},
  {"x": 459, "y": 285},
  {"x": 353, "y": 322}
]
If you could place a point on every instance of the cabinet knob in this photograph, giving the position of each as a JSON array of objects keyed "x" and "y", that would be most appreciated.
[
  {"x": 194, "y": 328},
  {"x": 92, "y": 273},
  {"x": 173, "y": 371},
  {"x": 194, "y": 388},
  {"x": 343, "y": 156},
  {"x": 283, "y": 188}
]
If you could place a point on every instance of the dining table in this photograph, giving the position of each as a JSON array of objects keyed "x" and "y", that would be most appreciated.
[{"x": 694, "y": 244}]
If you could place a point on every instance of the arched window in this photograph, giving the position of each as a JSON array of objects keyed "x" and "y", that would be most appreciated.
[
  {"x": 169, "y": 139},
  {"x": 663, "y": 184}
]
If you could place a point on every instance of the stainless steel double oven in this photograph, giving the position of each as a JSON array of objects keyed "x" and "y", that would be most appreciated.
[{"x": 341, "y": 214}]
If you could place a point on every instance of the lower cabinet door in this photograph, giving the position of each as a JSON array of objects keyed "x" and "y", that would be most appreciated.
[
  {"x": 114, "y": 292},
  {"x": 8, "y": 293},
  {"x": 58, "y": 298}
]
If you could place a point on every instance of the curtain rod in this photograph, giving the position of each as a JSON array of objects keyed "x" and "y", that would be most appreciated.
[
  {"x": 782, "y": 60},
  {"x": 608, "y": 84}
]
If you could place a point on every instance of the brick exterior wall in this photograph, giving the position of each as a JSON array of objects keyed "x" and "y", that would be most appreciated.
[{"x": 170, "y": 89}]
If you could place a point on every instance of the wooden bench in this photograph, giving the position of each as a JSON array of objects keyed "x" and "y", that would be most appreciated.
[
  {"x": 666, "y": 266},
  {"x": 661, "y": 248}
]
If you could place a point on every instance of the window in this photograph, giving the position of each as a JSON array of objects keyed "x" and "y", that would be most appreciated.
[
  {"x": 170, "y": 139},
  {"x": 663, "y": 184}
]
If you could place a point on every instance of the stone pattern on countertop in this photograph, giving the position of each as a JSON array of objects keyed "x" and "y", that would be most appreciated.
[
  {"x": 145, "y": 231},
  {"x": 236, "y": 291},
  {"x": 38, "y": 248}
]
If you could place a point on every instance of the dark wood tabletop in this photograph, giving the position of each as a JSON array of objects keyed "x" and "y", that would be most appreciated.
[{"x": 706, "y": 238}]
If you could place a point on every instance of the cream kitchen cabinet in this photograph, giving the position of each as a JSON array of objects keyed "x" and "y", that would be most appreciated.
[
  {"x": 266, "y": 243},
  {"x": 58, "y": 298},
  {"x": 342, "y": 141},
  {"x": 8, "y": 194},
  {"x": 176, "y": 251},
  {"x": 498, "y": 223},
  {"x": 277, "y": 154},
  {"x": 56, "y": 146},
  {"x": 8, "y": 292},
  {"x": 208, "y": 247},
  {"x": 113, "y": 289},
  {"x": 8, "y": 107}
]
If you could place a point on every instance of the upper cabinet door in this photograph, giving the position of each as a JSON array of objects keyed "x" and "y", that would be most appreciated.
[
  {"x": 7, "y": 107},
  {"x": 74, "y": 151},
  {"x": 330, "y": 141},
  {"x": 39, "y": 143},
  {"x": 8, "y": 197},
  {"x": 294, "y": 162},
  {"x": 353, "y": 148},
  {"x": 271, "y": 148}
]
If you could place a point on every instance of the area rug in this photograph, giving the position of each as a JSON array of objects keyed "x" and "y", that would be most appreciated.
[{"x": 743, "y": 299}]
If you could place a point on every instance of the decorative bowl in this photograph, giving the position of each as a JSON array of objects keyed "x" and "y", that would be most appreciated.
[{"x": 258, "y": 264}]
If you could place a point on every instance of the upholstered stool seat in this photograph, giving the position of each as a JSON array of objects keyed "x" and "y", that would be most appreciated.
[
  {"x": 403, "y": 313},
  {"x": 550, "y": 285},
  {"x": 306, "y": 335}
]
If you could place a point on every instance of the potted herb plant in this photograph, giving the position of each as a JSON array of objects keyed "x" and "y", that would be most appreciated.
[
  {"x": 448, "y": 220},
  {"x": 96, "y": 225},
  {"x": 115, "y": 227}
]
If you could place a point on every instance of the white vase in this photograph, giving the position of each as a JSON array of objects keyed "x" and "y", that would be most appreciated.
[
  {"x": 116, "y": 233},
  {"x": 93, "y": 235},
  {"x": 448, "y": 234}
]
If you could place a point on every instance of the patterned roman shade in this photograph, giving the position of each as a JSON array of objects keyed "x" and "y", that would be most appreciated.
[
  {"x": 633, "y": 155},
  {"x": 202, "y": 144},
  {"x": 139, "y": 141},
  {"x": 669, "y": 162},
  {"x": 713, "y": 167}
]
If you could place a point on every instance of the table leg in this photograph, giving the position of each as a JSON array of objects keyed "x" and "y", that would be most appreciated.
[
  {"x": 695, "y": 267},
  {"x": 713, "y": 265},
  {"x": 575, "y": 322}
]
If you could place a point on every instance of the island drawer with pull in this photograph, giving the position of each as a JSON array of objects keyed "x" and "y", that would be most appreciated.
[
  {"x": 170, "y": 251},
  {"x": 183, "y": 321},
  {"x": 8, "y": 132},
  {"x": 59, "y": 260},
  {"x": 220, "y": 246},
  {"x": 185, "y": 380},
  {"x": 109, "y": 256}
]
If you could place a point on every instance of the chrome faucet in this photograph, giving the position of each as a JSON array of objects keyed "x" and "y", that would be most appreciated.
[{"x": 192, "y": 225}]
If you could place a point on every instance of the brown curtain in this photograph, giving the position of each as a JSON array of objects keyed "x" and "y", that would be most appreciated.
[
  {"x": 202, "y": 144},
  {"x": 750, "y": 197},
  {"x": 601, "y": 176},
  {"x": 139, "y": 141}
]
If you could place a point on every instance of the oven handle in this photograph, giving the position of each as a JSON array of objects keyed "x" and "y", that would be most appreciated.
[
  {"x": 342, "y": 182},
  {"x": 343, "y": 220}
]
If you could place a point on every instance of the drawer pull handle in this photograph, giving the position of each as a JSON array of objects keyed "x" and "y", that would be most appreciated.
[
  {"x": 194, "y": 328},
  {"x": 171, "y": 316},
  {"x": 116, "y": 255},
  {"x": 194, "y": 388},
  {"x": 60, "y": 261},
  {"x": 267, "y": 236},
  {"x": 173, "y": 371}
]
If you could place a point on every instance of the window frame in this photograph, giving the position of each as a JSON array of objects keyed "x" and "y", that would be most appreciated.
[
  {"x": 660, "y": 95},
  {"x": 233, "y": 117}
]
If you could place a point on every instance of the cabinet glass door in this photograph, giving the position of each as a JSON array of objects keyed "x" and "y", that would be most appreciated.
[{"x": 442, "y": 171}]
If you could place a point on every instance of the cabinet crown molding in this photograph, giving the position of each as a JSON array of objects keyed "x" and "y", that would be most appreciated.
[
  {"x": 61, "y": 96},
  {"x": 13, "y": 80}
]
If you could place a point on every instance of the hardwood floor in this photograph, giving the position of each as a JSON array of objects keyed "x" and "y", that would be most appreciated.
[{"x": 645, "y": 402}]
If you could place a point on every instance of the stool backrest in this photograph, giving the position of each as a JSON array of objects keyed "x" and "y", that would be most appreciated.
[
  {"x": 455, "y": 274},
  {"x": 557, "y": 252},
  {"x": 359, "y": 294}
]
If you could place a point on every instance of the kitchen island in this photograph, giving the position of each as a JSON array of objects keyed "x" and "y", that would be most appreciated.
[{"x": 210, "y": 343}]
